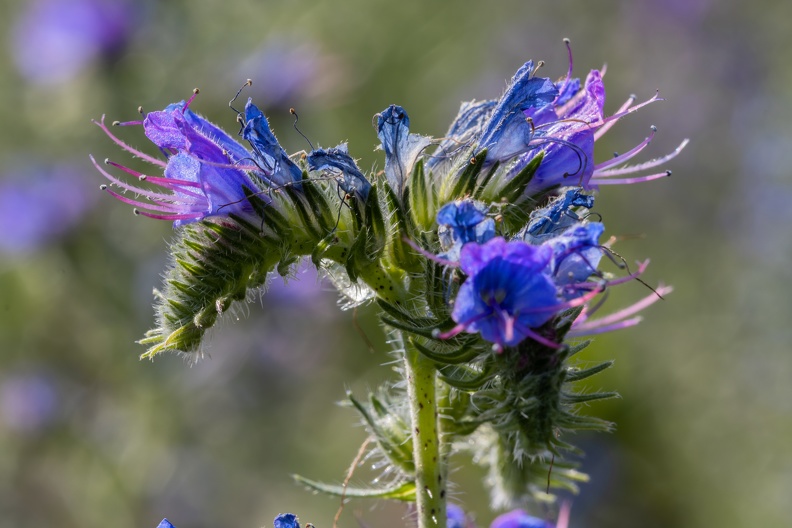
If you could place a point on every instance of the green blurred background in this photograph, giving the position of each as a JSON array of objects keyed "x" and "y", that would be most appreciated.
[{"x": 91, "y": 437}]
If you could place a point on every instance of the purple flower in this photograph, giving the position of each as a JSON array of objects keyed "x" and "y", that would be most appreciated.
[
  {"x": 54, "y": 40},
  {"x": 38, "y": 204},
  {"x": 507, "y": 292},
  {"x": 401, "y": 148},
  {"x": 559, "y": 214},
  {"x": 506, "y": 133},
  {"x": 286, "y": 520},
  {"x": 28, "y": 402},
  {"x": 456, "y": 516},
  {"x": 519, "y": 519},
  {"x": 204, "y": 175},
  {"x": 461, "y": 222}
]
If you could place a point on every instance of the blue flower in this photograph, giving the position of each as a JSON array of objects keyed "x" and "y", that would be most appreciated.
[
  {"x": 576, "y": 255},
  {"x": 456, "y": 516},
  {"x": 269, "y": 155},
  {"x": 464, "y": 130},
  {"x": 559, "y": 214},
  {"x": 508, "y": 133},
  {"x": 519, "y": 519},
  {"x": 165, "y": 523},
  {"x": 401, "y": 148},
  {"x": 203, "y": 176},
  {"x": 338, "y": 161},
  {"x": 507, "y": 292},
  {"x": 461, "y": 222},
  {"x": 286, "y": 520}
]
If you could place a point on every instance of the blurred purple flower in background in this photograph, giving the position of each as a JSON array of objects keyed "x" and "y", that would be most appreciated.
[
  {"x": 54, "y": 40},
  {"x": 300, "y": 70},
  {"x": 28, "y": 402},
  {"x": 39, "y": 204}
]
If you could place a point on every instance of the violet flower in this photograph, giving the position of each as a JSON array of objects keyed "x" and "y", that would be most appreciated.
[{"x": 205, "y": 173}]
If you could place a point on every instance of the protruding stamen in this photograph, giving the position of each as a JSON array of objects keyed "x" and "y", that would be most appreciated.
[
  {"x": 196, "y": 91},
  {"x": 249, "y": 82},
  {"x": 618, "y": 160},
  {"x": 601, "y": 132},
  {"x": 643, "y": 166},
  {"x": 126, "y": 147}
]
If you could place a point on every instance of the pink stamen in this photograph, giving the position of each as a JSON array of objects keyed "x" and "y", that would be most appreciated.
[
  {"x": 563, "y": 515},
  {"x": 619, "y": 115},
  {"x": 190, "y": 100},
  {"x": 151, "y": 195},
  {"x": 642, "y": 166},
  {"x": 126, "y": 147},
  {"x": 593, "y": 329},
  {"x": 167, "y": 208},
  {"x": 458, "y": 329},
  {"x": 169, "y": 217},
  {"x": 618, "y": 160},
  {"x": 171, "y": 182},
  {"x": 601, "y": 132},
  {"x": 429, "y": 255},
  {"x": 627, "y": 181},
  {"x": 626, "y": 312},
  {"x": 537, "y": 337},
  {"x": 127, "y": 123}
]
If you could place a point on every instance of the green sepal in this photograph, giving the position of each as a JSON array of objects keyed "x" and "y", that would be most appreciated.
[
  {"x": 403, "y": 255},
  {"x": 297, "y": 199},
  {"x": 485, "y": 180},
  {"x": 453, "y": 357},
  {"x": 572, "y": 399},
  {"x": 514, "y": 188},
  {"x": 404, "y": 491},
  {"x": 467, "y": 178},
  {"x": 318, "y": 202},
  {"x": 422, "y": 198},
  {"x": 581, "y": 374}
]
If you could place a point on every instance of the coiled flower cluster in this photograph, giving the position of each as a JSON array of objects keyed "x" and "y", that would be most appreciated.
[{"x": 480, "y": 250}]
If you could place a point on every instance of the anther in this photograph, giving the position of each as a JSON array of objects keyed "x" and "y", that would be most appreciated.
[
  {"x": 436, "y": 333},
  {"x": 538, "y": 65},
  {"x": 654, "y": 128},
  {"x": 107, "y": 161},
  {"x": 140, "y": 111},
  {"x": 196, "y": 91},
  {"x": 669, "y": 173},
  {"x": 103, "y": 187},
  {"x": 567, "y": 41},
  {"x": 633, "y": 97},
  {"x": 135, "y": 212},
  {"x": 116, "y": 123},
  {"x": 473, "y": 160},
  {"x": 142, "y": 177}
]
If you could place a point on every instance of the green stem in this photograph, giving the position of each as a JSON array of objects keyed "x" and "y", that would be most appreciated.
[{"x": 430, "y": 470}]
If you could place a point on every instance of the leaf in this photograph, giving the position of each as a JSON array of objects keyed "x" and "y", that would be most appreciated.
[{"x": 404, "y": 491}]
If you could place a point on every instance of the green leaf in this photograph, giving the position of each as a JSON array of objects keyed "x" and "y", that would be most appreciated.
[
  {"x": 580, "y": 374},
  {"x": 404, "y": 491}
]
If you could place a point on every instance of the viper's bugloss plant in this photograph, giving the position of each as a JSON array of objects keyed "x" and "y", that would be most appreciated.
[{"x": 479, "y": 249}]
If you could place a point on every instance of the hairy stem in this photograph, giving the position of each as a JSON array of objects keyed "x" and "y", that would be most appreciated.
[{"x": 430, "y": 471}]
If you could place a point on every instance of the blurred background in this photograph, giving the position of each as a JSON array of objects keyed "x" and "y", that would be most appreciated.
[{"x": 91, "y": 437}]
